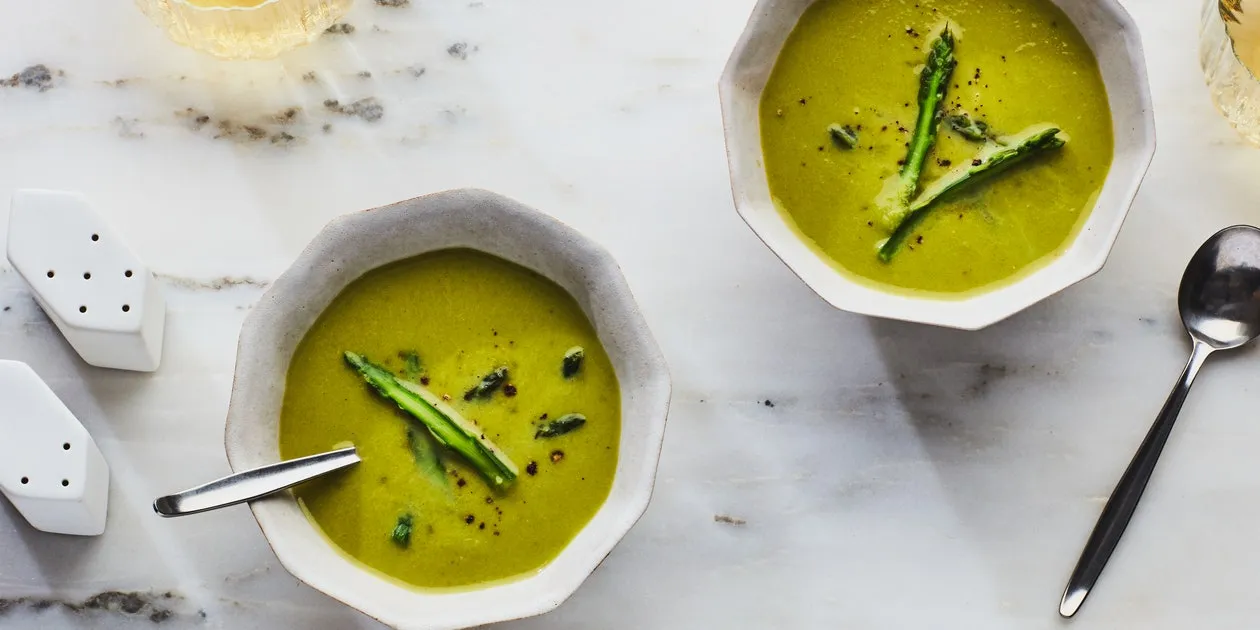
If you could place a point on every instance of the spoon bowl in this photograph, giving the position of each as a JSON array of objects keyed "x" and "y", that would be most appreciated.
[{"x": 1219, "y": 300}]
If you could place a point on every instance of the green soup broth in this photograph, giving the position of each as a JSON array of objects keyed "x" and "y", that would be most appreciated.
[
  {"x": 856, "y": 63},
  {"x": 463, "y": 313}
]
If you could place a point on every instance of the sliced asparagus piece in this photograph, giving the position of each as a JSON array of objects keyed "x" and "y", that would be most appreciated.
[
  {"x": 489, "y": 383},
  {"x": 560, "y": 426},
  {"x": 933, "y": 80},
  {"x": 844, "y": 137},
  {"x": 444, "y": 423},
  {"x": 411, "y": 364},
  {"x": 428, "y": 459},
  {"x": 992, "y": 160},
  {"x": 573, "y": 358},
  {"x": 402, "y": 531},
  {"x": 970, "y": 128}
]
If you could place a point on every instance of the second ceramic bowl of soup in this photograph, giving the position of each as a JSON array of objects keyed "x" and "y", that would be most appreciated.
[
  {"x": 988, "y": 249},
  {"x": 515, "y": 325}
]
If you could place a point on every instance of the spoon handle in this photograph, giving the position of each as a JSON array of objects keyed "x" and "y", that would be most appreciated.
[
  {"x": 252, "y": 484},
  {"x": 1124, "y": 499}
]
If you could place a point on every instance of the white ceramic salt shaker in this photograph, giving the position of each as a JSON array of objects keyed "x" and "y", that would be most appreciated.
[
  {"x": 94, "y": 288},
  {"x": 50, "y": 468}
]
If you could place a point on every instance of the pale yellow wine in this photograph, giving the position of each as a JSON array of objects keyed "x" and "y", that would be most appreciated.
[
  {"x": 1229, "y": 50},
  {"x": 244, "y": 29}
]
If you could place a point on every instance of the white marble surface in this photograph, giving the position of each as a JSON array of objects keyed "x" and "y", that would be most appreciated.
[{"x": 906, "y": 477}]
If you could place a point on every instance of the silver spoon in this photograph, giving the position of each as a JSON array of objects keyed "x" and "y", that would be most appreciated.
[
  {"x": 1219, "y": 300},
  {"x": 253, "y": 484}
]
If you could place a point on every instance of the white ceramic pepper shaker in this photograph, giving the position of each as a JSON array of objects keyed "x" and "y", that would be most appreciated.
[
  {"x": 50, "y": 467},
  {"x": 100, "y": 295}
]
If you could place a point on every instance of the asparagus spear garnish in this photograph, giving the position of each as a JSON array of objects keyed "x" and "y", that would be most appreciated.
[
  {"x": 402, "y": 531},
  {"x": 560, "y": 426},
  {"x": 933, "y": 80},
  {"x": 992, "y": 160},
  {"x": 970, "y": 128},
  {"x": 572, "y": 364},
  {"x": 444, "y": 423},
  {"x": 844, "y": 137},
  {"x": 488, "y": 384}
]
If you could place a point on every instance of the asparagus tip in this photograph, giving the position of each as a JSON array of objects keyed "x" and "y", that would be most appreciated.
[
  {"x": 564, "y": 424},
  {"x": 572, "y": 363},
  {"x": 843, "y": 136},
  {"x": 402, "y": 531},
  {"x": 488, "y": 384}
]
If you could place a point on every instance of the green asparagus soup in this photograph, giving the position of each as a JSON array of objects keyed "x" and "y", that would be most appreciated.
[
  {"x": 495, "y": 361},
  {"x": 936, "y": 145}
]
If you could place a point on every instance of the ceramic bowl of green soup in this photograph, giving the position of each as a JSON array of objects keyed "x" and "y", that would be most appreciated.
[
  {"x": 506, "y": 397},
  {"x": 948, "y": 162}
]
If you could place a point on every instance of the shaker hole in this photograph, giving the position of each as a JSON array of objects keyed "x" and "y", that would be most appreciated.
[
  {"x": 127, "y": 273},
  {"x": 65, "y": 447},
  {"x": 51, "y": 273},
  {"x": 65, "y": 482},
  {"x": 126, "y": 308},
  {"x": 25, "y": 480},
  {"x": 82, "y": 309},
  {"x": 96, "y": 237},
  {"x": 87, "y": 275}
]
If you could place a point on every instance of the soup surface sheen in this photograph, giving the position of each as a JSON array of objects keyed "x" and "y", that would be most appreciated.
[
  {"x": 856, "y": 62},
  {"x": 463, "y": 313}
]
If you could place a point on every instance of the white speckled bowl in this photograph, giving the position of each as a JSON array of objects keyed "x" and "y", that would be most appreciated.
[
  {"x": 1114, "y": 39},
  {"x": 357, "y": 243}
]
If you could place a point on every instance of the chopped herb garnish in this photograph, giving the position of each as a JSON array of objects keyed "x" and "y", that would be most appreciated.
[
  {"x": 573, "y": 358},
  {"x": 564, "y": 424}
]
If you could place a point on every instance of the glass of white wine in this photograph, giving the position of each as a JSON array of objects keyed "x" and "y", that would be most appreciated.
[
  {"x": 1229, "y": 50},
  {"x": 244, "y": 29}
]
